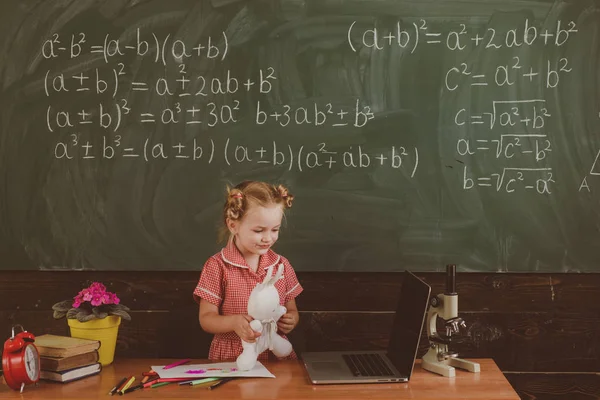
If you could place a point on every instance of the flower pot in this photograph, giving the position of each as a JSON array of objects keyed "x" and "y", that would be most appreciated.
[{"x": 104, "y": 330}]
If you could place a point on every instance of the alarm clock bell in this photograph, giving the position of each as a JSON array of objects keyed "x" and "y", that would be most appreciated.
[{"x": 20, "y": 360}]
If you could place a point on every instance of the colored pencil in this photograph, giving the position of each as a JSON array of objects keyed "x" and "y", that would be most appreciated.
[
  {"x": 117, "y": 386},
  {"x": 205, "y": 383},
  {"x": 150, "y": 382},
  {"x": 173, "y": 379},
  {"x": 132, "y": 389},
  {"x": 129, "y": 382},
  {"x": 222, "y": 381},
  {"x": 177, "y": 363}
]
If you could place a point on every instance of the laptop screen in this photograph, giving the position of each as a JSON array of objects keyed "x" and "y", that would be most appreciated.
[{"x": 408, "y": 323}]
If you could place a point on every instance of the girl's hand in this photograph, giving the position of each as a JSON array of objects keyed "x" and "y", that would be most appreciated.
[
  {"x": 287, "y": 323},
  {"x": 243, "y": 330}
]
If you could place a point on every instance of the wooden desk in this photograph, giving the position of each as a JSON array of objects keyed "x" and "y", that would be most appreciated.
[{"x": 291, "y": 384}]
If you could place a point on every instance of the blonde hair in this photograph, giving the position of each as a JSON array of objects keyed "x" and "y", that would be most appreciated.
[{"x": 249, "y": 193}]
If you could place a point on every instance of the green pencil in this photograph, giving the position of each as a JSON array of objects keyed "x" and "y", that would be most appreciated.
[
  {"x": 199, "y": 381},
  {"x": 159, "y": 384}
]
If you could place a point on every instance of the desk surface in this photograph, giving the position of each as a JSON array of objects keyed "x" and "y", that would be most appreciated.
[{"x": 291, "y": 383}]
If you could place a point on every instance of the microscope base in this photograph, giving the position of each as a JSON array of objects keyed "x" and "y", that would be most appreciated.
[{"x": 446, "y": 367}]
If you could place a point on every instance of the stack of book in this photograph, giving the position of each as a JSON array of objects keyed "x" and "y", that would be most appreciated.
[{"x": 66, "y": 359}]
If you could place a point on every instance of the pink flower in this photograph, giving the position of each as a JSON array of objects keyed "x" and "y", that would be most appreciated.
[
  {"x": 96, "y": 301},
  {"x": 107, "y": 298},
  {"x": 77, "y": 300},
  {"x": 97, "y": 287},
  {"x": 96, "y": 294},
  {"x": 87, "y": 296}
]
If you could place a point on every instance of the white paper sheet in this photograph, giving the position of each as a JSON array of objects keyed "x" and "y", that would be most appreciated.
[{"x": 220, "y": 370}]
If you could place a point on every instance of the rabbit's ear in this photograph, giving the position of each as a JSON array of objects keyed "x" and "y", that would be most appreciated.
[
  {"x": 267, "y": 279},
  {"x": 278, "y": 275}
]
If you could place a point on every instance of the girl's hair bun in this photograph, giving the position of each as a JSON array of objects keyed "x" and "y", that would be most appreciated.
[
  {"x": 234, "y": 206},
  {"x": 286, "y": 196}
]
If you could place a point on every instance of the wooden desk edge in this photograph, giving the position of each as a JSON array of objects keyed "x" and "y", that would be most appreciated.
[{"x": 291, "y": 383}]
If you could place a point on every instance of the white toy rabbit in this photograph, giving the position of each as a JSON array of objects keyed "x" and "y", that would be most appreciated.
[{"x": 264, "y": 307}]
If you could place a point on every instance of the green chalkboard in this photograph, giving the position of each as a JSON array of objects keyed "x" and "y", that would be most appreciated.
[{"x": 412, "y": 133}]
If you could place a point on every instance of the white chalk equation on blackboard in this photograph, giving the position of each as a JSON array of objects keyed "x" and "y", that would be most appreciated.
[
  {"x": 507, "y": 74},
  {"x": 184, "y": 86},
  {"x": 191, "y": 107},
  {"x": 530, "y": 113},
  {"x": 410, "y": 35},
  {"x": 594, "y": 172},
  {"x": 508, "y": 146},
  {"x": 317, "y": 115},
  {"x": 161, "y": 48},
  {"x": 210, "y": 114},
  {"x": 293, "y": 157},
  {"x": 511, "y": 178}
]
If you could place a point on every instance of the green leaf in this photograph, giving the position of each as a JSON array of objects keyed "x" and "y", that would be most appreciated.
[
  {"x": 85, "y": 315},
  {"x": 122, "y": 307},
  {"x": 121, "y": 313},
  {"x": 108, "y": 308},
  {"x": 98, "y": 313},
  {"x": 59, "y": 314},
  {"x": 72, "y": 313},
  {"x": 63, "y": 306},
  {"x": 116, "y": 307}
]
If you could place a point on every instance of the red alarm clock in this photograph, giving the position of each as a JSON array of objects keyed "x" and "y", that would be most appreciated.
[{"x": 20, "y": 360}]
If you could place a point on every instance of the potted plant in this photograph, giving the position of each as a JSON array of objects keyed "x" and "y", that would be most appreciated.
[{"x": 94, "y": 313}]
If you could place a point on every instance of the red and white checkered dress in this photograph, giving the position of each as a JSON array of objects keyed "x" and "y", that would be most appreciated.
[{"x": 226, "y": 281}]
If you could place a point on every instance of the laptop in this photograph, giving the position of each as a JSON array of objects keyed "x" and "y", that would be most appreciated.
[{"x": 395, "y": 364}]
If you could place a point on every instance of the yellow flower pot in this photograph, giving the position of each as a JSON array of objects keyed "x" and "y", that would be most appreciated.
[{"x": 105, "y": 330}]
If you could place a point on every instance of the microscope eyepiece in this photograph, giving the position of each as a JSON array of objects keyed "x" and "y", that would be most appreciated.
[{"x": 450, "y": 279}]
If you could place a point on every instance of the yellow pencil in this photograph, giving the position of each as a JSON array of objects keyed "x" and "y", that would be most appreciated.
[{"x": 129, "y": 382}]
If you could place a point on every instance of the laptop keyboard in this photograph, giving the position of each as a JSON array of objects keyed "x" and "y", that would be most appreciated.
[{"x": 368, "y": 364}]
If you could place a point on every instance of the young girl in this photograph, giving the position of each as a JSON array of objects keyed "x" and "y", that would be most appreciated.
[{"x": 252, "y": 215}]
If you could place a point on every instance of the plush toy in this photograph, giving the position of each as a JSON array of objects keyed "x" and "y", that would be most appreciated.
[{"x": 264, "y": 307}]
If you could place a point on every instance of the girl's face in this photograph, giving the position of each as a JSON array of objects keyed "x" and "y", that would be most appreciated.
[{"x": 258, "y": 231}]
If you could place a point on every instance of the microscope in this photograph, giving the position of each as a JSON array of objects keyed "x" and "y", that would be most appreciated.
[{"x": 439, "y": 359}]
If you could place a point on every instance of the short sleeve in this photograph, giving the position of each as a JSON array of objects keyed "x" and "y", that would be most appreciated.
[
  {"x": 293, "y": 287},
  {"x": 210, "y": 284}
]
